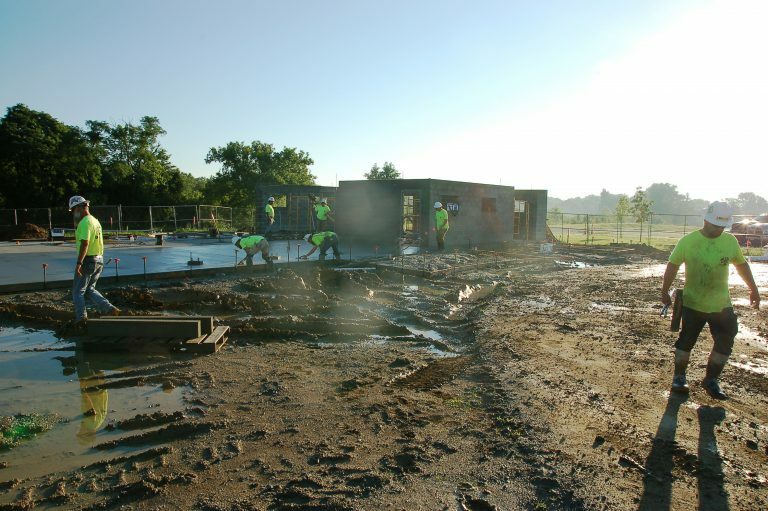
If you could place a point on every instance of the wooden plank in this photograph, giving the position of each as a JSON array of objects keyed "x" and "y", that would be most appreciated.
[
  {"x": 118, "y": 327},
  {"x": 206, "y": 322},
  {"x": 213, "y": 342},
  {"x": 196, "y": 340}
]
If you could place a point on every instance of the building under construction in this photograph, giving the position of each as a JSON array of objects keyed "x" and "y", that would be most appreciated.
[{"x": 400, "y": 211}]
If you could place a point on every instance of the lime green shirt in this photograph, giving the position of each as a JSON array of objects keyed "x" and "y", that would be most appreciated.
[
  {"x": 89, "y": 229},
  {"x": 706, "y": 269},
  {"x": 250, "y": 241},
  {"x": 318, "y": 238},
  {"x": 441, "y": 219},
  {"x": 269, "y": 210},
  {"x": 322, "y": 211}
]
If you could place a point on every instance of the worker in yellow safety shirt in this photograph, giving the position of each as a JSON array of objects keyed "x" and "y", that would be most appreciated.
[
  {"x": 94, "y": 401},
  {"x": 323, "y": 241},
  {"x": 269, "y": 211},
  {"x": 252, "y": 245},
  {"x": 441, "y": 224},
  {"x": 323, "y": 214},
  {"x": 90, "y": 262}
]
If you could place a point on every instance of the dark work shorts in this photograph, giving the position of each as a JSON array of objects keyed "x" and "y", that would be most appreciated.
[{"x": 722, "y": 325}]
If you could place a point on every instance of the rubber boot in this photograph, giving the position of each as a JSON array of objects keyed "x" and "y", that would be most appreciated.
[
  {"x": 679, "y": 383},
  {"x": 715, "y": 366}
]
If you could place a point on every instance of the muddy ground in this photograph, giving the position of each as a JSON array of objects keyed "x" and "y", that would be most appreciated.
[{"x": 510, "y": 383}]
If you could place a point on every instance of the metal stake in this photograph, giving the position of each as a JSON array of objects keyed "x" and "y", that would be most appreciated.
[
  {"x": 45, "y": 268},
  {"x": 117, "y": 274}
]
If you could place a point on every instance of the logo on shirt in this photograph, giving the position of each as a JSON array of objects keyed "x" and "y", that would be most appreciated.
[{"x": 724, "y": 261}]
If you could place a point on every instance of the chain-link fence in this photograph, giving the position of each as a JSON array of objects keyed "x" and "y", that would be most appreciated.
[
  {"x": 660, "y": 229},
  {"x": 137, "y": 218}
]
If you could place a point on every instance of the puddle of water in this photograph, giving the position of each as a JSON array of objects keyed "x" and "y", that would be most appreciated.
[
  {"x": 755, "y": 366},
  {"x": 752, "y": 337},
  {"x": 573, "y": 264},
  {"x": 68, "y": 385}
]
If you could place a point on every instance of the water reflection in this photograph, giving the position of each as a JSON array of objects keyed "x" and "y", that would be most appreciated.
[{"x": 94, "y": 401}]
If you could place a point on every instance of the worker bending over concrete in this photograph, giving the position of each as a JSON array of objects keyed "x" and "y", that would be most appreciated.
[
  {"x": 707, "y": 254},
  {"x": 441, "y": 224},
  {"x": 90, "y": 262},
  {"x": 269, "y": 211},
  {"x": 323, "y": 214},
  {"x": 253, "y": 245},
  {"x": 324, "y": 241}
]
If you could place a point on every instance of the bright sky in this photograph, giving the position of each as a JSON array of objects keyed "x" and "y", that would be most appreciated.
[{"x": 568, "y": 96}]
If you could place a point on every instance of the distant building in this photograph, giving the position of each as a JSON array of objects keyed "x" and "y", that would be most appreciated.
[{"x": 294, "y": 212}]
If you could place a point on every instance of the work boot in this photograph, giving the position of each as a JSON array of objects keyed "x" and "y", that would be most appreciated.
[
  {"x": 713, "y": 389},
  {"x": 679, "y": 384},
  {"x": 81, "y": 325},
  {"x": 715, "y": 366}
]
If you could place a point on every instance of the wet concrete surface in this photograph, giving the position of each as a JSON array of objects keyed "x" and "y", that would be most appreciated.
[{"x": 24, "y": 263}]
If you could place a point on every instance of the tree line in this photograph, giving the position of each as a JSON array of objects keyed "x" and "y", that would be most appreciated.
[
  {"x": 44, "y": 161},
  {"x": 659, "y": 198}
]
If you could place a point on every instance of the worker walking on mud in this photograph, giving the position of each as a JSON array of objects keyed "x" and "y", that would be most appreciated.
[
  {"x": 323, "y": 241},
  {"x": 323, "y": 214},
  {"x": 441, "y": 224},
  {"x": 269, "y": 212},
  {"x": 707, "y": 254},
  {"x": 253, "y": 245},
  {"x": 90, "y": 262}
]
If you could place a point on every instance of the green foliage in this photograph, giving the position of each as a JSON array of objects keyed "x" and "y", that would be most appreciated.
[
  {"x": 748, "y": 203},
  {"x": 245, "y": 167},
  {"x": 388, "y": 171},
  {"x": 641, "y": 206},
  {"x": 42, "y": 161},
  {"x": 136, "y": 168}
]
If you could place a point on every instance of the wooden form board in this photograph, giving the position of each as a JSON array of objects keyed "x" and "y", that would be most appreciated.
[
  {"x": 116, "y": 327},
  {"x": 206, "y": 322}
]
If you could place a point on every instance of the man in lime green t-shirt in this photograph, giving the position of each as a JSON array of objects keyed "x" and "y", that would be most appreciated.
[
  {"x": 441, "y": 224},
  {"x": 253, "y": 245},
  {"x": 90, "y": 262},
  {"x": 323, "y": 241},
  {"x": 707, "y": 254},
  {"x": 269, "y": 212},
  {"x": 323, "y": 214}
]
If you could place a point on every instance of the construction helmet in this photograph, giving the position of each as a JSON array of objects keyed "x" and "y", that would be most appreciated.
[
  {"x": 235, "y": 239},
  {"x": 323, "y": 200},
  {"x": 271, "y": 199},
  {"x": 76, "y": 200},
  {"x": 438, "y": 205},
  {"x": 307, "y": 237}
]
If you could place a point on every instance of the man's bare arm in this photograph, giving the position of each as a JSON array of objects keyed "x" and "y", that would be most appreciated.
[{"x": 745, "y": 272}]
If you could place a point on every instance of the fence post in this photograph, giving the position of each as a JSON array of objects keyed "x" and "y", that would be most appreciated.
[
  {"x": 151, "y": 225},
  {"x": 685, "y": 224},
  {"x": 587, "y": 229},
  {"x": 50, "y": 221},
  {"x": 119, "y": 217},
  {"x": 175, "y": 226},
  {"x": 15, "y": 218}
]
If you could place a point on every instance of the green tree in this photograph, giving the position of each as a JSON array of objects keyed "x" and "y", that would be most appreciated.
[
  {"x": 387, "y": 171},
  {"x": 43, "y": 161},
  {"x": 641, "y": 208},
  {"x": 748, "y": 203},
  {"x": 622, "y": 210},
  {"x": 136, "y": 168},
  {"x": 244, "y": 167}
]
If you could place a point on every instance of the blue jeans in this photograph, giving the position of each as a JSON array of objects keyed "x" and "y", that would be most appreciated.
[
  {"x": 331, "y": 242},
  {"x": 84, "y": 286}
]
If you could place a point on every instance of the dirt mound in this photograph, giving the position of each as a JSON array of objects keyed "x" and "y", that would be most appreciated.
[{"x": 23, "y": 232}]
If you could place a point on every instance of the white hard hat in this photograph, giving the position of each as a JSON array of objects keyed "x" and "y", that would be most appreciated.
[
  {"x": 235, "y": 239},
  {"x": 75, "y": 201},
  {"x": 271, "y": 199},
  {"x": 438, "y": 205},
  {"x": 719, "y": 214},
  {"x": 323, "y": 200},
  {"x": 307, "y": 237}
]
